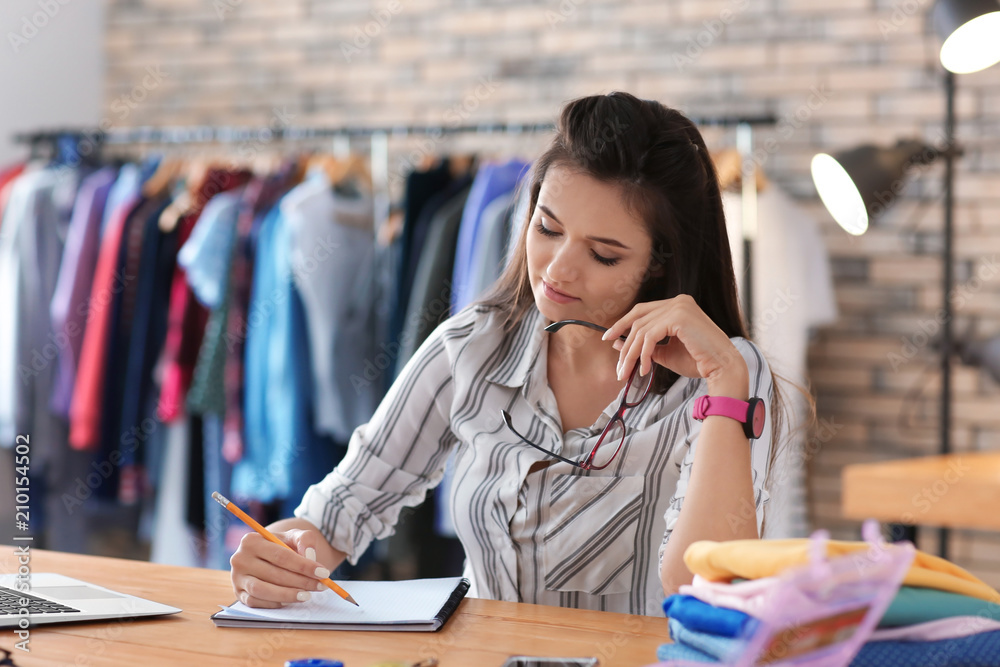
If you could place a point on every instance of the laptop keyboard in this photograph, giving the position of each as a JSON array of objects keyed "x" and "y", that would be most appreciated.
[{"x": 10, "y": 603}]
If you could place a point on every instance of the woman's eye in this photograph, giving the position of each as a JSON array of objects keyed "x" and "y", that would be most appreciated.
[
  {"x": 606, "y": 261},
  {"x": 545, "y": 231}
]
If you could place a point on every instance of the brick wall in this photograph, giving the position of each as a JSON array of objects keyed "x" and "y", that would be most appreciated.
[{"x": 836, "y": 72}]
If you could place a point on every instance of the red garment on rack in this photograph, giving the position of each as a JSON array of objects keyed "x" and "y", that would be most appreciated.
[
  {"x": 88, "y": 389},
  {"x": 7, "y": 178},
  {"x": 186, "y": 318}
]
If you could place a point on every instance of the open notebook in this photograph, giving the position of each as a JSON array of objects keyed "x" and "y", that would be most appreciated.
[{"x": 416, "y": 605}]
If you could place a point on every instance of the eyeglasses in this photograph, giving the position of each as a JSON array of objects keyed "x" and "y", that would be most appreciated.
[{"x": 613, "y": 436}]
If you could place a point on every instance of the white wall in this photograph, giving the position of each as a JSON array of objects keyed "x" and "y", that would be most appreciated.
[
  {"x": 51, "y": 67},
  {"x": 53, "y": 79}
]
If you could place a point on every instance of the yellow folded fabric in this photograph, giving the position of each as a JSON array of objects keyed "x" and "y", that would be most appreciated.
[{"x": 754, "y": 559}]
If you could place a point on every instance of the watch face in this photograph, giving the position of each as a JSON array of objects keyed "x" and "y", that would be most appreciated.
[{"x": 759, "y": 414}]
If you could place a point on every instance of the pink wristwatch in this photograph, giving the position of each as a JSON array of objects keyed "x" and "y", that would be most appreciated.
[{"x": 749, "y": 413}]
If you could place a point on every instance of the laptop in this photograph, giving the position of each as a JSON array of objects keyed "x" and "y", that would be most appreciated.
[{"x": 54, "y": 598}]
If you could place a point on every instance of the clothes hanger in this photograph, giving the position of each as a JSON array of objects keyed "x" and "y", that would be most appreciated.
[{"x": 163, "y": 178}]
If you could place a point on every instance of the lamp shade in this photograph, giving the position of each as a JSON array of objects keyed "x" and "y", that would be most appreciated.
[
  {"x": 970, "y": 30},
  {"x": 857, "y": 185}
]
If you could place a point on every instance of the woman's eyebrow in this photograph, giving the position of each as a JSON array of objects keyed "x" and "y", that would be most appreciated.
[{"x": 600, "y": 239}]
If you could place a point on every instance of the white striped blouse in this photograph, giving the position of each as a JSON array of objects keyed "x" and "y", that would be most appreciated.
[{"x": 556, "y": 535}]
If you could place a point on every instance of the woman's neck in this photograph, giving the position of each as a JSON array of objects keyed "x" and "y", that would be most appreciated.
[{"x": 581, "y": 351}]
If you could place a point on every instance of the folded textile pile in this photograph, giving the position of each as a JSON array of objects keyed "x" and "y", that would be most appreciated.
[{"x": 942, "y": 615}]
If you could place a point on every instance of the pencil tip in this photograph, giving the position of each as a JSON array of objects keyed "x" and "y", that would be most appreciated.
[{"x": 352, "y": 601}]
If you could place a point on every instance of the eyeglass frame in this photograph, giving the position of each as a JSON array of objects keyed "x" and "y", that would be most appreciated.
[{"x": 619, "y": 415}]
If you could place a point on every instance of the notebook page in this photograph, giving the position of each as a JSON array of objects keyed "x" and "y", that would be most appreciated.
[{"x": 412, "y": 601}]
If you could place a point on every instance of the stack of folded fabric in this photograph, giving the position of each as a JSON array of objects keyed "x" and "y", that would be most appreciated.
[{"x": 942, "y": 616}]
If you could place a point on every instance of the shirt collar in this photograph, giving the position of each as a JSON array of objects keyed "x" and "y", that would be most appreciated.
[{"x": 525, "y": 346}]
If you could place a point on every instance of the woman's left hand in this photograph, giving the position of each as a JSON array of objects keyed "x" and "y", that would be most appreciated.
[{"x": 697, "y": 347}]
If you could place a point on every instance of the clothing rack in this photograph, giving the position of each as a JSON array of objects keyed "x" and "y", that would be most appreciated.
[{"x": 379, "y": 150}]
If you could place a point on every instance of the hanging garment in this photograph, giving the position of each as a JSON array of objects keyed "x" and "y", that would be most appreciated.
[
  {"x": 331, "y": 244},
  {"x": 792, "y": 295},
  {"x": 88, "y": 389},
  {"x": 149, "y": 326},
  {"x": 491, "y": 245},
  {"x": 76, "y": 274},
  {"x": 260, "y": 195},
  {"x": 7, "y": 177},
  {"x": 430, "y": 294},
  {"x": 281, "y": 449},
  {"x": 421, "y": 188},
  {"x": 187, "y": 318},
  {"x": 117, "y": 382},
  {"x": 31, "y": 245},
  {"x": 492, "y": 181}
]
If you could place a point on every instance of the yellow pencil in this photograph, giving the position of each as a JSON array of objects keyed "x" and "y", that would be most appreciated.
[{"x": 249, "y": 520}]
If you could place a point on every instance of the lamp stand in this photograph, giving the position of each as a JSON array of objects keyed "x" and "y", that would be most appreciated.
[{"x": 947, "y": 280}]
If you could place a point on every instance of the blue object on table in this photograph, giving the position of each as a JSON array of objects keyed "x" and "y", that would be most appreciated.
[
  {"x": 703, "y": 617},
  {"x": 313, "y": 662}
]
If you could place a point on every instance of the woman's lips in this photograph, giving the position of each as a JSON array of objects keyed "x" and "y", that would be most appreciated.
[{"x": 556, "y": 295}]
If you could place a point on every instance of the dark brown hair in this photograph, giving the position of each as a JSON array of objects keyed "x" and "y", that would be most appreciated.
[{"x": 658, "y": 160}]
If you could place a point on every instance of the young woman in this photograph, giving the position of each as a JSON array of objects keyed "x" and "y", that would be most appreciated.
[{"x": 625, "y": 232}]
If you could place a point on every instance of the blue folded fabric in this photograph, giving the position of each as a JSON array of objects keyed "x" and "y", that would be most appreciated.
[
  {"x": 682, "y": 652},
  {"x": 715, "y": 646},
  {"x": 982, "y": 650},
  {"x": 703, "y": 617}
]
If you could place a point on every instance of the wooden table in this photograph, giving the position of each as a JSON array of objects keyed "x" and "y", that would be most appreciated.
[
  {"x": 482, "y": 633},
  {"x": 954, "y": 491}
]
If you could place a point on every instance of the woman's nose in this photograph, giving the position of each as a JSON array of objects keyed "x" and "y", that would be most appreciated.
[{"x": 562, "y": 267}]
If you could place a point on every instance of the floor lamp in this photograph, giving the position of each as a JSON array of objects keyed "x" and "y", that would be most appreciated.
[{"x": 858, "y": 184}]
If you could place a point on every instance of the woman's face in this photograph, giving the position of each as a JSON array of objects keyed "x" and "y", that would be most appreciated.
[{"x": 587, "y": 255}]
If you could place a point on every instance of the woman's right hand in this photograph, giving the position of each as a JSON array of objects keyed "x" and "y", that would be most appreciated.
[{"x": 268, "y": 575}]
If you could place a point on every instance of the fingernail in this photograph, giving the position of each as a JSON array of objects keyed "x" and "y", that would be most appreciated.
[
  {"x": 310, "y": 553},
  {"x": 302, "y": 596},
  {"x": 322, "y": 572},
  {"x": 604, "y": 336},
  {"x": 320, "y": 587}
]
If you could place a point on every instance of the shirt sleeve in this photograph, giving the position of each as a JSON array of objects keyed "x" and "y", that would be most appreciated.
[
  {"x": 761, "y": 385},
  {"x": 394, "y": 459}
]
